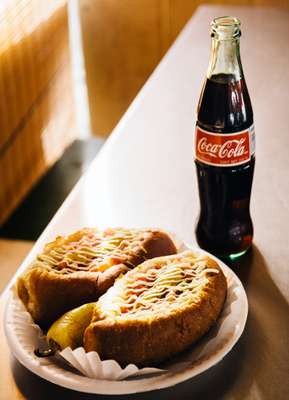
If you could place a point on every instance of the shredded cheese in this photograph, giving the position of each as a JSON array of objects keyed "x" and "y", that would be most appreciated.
[
  {"x": 93, "y": 251},
  {"x": 170, "y": 282}
]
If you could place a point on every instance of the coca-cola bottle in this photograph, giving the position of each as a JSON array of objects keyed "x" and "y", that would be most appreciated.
[{"x": 225, "y": 148}]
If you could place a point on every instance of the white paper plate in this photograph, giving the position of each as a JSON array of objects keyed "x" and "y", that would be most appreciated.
[{"x": 203, "y": 355}]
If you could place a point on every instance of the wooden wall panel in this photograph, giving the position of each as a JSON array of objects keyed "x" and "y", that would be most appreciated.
[
  {"x": 40, "y": 142},
  {"x": 123, "y": 42},
  {"x": 36, "y": 96},
  {"x": 33, "y": 40}
]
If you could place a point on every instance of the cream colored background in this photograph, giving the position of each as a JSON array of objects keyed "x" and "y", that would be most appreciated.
[{"x": 123, "y": 42}]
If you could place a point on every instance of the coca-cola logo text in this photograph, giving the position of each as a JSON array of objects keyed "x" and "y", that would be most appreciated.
[
  {"x": 229, "y": 149},
  {"x": 222, "y": 149}
]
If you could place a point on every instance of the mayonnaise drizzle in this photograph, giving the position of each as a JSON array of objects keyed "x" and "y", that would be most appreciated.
[
  {"x": 174, "y": 281},
  {"x": 91, "y": 250}
]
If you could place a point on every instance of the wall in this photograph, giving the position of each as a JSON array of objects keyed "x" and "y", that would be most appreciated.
[
  {"x": 36, "y": 106},
  {"x": 123, "y": 42}
]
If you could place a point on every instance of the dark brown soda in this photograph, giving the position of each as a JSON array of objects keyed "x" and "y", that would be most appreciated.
[{"x": 225, "y": 227}]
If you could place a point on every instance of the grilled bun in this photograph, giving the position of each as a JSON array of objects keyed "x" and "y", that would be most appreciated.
[
  {"x": 157, "y": 310},
  {"x": 79, "y": 268}
]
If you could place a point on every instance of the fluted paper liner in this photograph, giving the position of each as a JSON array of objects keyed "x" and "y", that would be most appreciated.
[
  {"x": 89, "y": 364},
  {"x": 79, "y": 370}
]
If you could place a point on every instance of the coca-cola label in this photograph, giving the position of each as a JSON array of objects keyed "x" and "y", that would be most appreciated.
[{"x": 223, "y": 150}]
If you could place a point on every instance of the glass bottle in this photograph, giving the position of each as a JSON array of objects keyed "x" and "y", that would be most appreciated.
[{"x": 225, "y": 147}]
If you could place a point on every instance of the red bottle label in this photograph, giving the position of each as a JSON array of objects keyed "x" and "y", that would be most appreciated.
[{"x": 224, "y": 149}]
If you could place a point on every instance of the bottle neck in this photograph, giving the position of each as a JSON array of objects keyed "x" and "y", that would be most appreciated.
[{"x": 225, "y": 59}]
